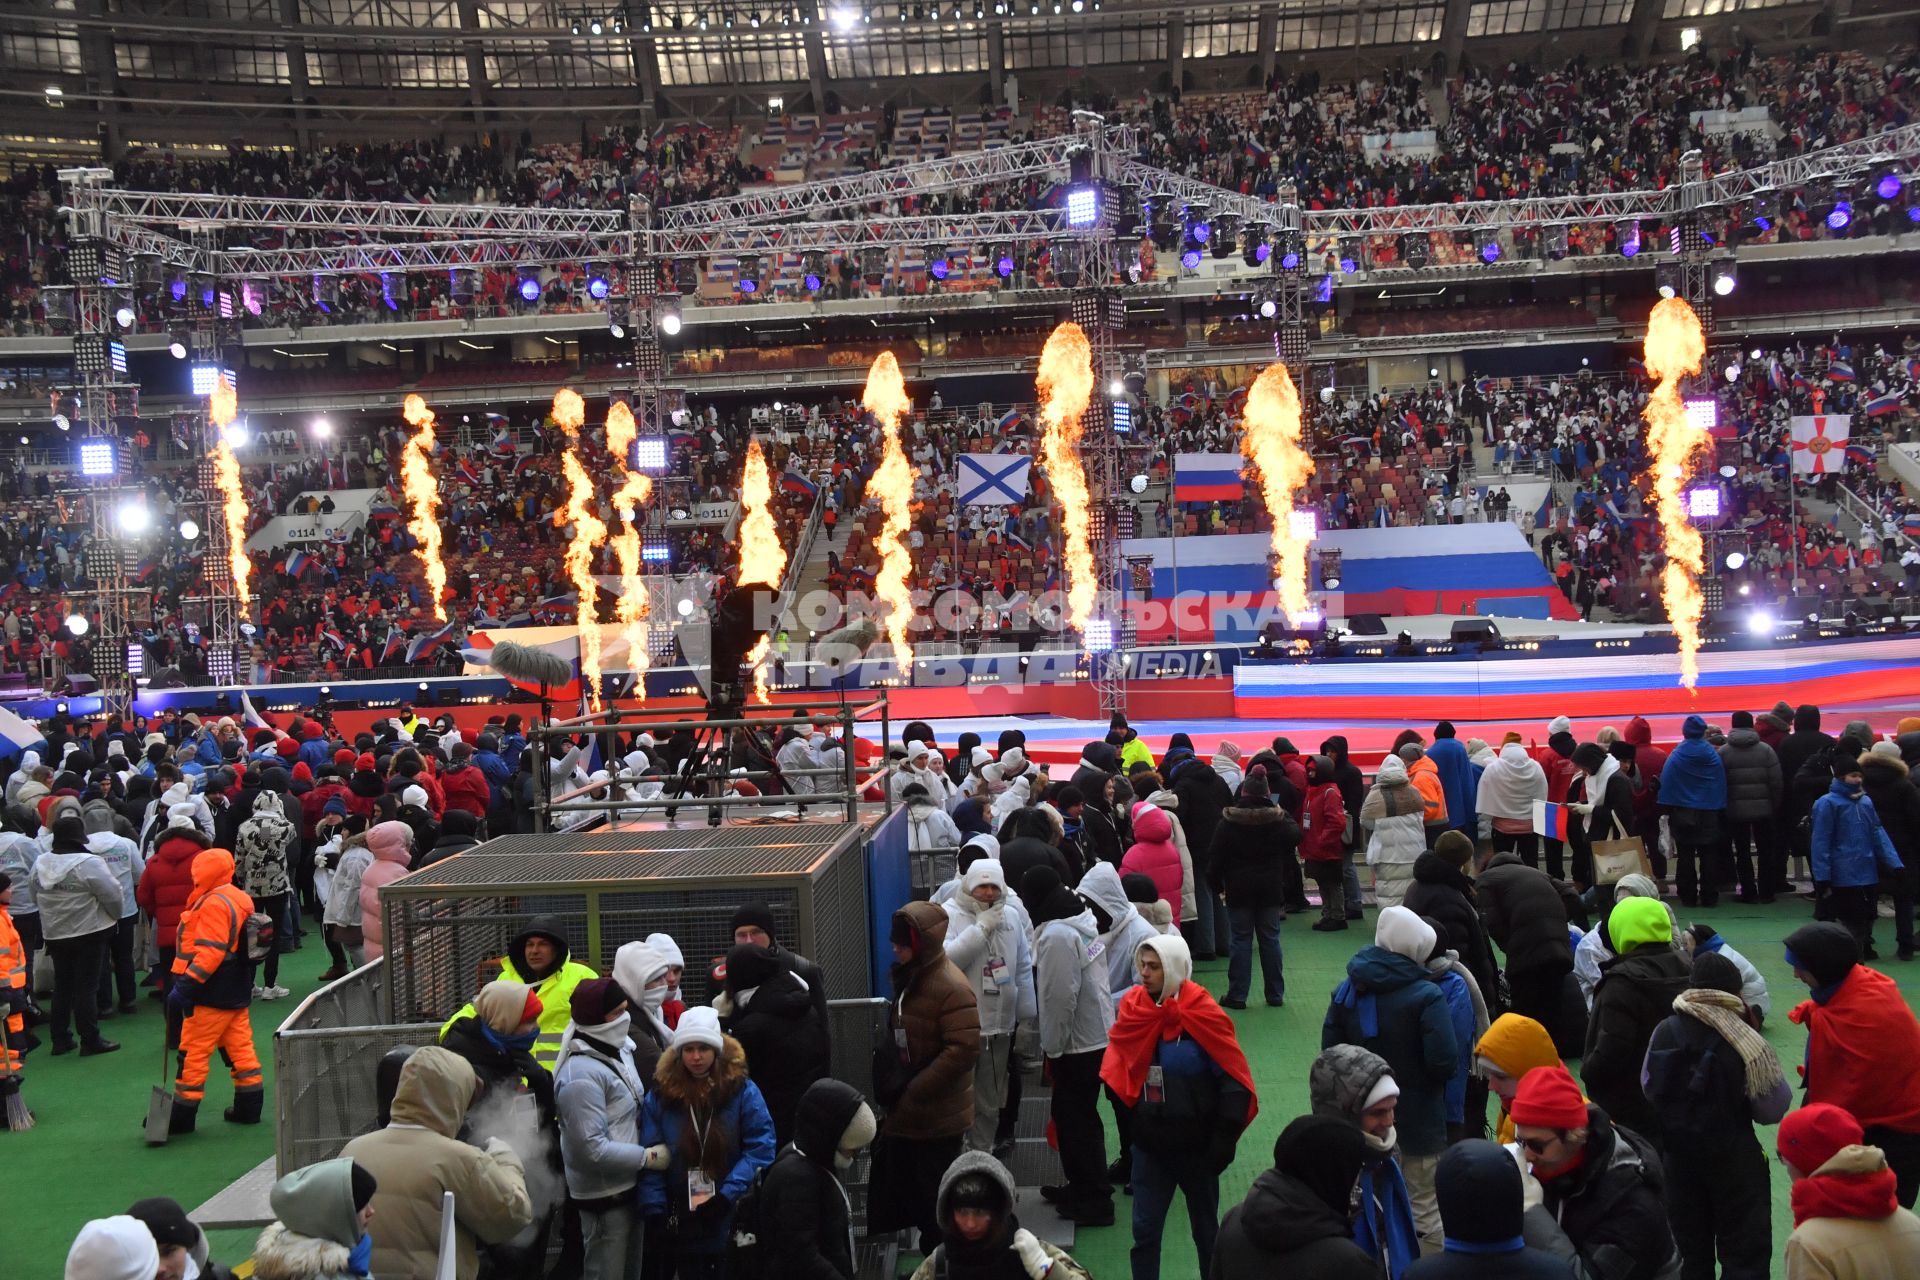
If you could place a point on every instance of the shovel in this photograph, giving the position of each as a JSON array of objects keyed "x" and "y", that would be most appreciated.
[{"x": 160, "y": 1103}]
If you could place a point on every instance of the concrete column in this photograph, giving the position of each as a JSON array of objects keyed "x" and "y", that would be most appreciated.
[
  {"x": 476, "y": 61},
  {"x": 1453, "y": 33},
  {"x": 1267, "y": 40},
  {"x": 816, "y": 66},
  {"x": 299, "y": 75},
  {"x": 102, "y": 75},
  {"x": 1176, "y": 48},
  {"x": 997, "y": 61}
]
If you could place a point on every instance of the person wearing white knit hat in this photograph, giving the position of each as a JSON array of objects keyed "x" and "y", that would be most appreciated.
[
  {"x": 701, "y": 1101},
  {"x": 676, "y": 969},
  {"x": 116, "y": 1248}
]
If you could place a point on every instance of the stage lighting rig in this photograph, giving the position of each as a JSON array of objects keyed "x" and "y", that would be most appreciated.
[
  {"x": 1626, "y": 234},
  {"x": 667, "y": 308}
]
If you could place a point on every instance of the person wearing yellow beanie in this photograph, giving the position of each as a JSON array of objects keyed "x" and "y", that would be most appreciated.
[{"x": 1511, "y": 1047}]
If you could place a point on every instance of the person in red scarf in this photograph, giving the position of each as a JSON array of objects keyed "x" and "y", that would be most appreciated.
[
  {"x": 1862, "y": 1042},
  {"x": 1173, "y": 1060},
  {"x": 1847, "y": 1222}
]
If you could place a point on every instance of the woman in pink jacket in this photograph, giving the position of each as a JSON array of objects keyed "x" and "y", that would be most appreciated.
[
  {"x": 1154, "y": 854},
  {"x": 392, "y": 846}
]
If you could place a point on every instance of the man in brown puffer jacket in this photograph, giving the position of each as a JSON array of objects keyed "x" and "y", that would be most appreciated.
[{"x": 923, "y": 1075}]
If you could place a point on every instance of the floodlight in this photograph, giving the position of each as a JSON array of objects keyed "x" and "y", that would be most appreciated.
[
  {"x": 96, "y": 458},
  {"x": 1099, "y": 635},
  {"x": 1083, "y": 206}
]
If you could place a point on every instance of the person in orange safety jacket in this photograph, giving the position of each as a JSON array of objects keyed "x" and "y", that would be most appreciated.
[
  {"x": 212, "y": 986},
  {"x": 15, "y": 1041}
]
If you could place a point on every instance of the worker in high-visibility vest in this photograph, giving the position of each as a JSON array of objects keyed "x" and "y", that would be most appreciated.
[
  {"x": 212, "y": 986},
  {"x": 539, "y": 957},
  {"x": 14, "y": 1041}
]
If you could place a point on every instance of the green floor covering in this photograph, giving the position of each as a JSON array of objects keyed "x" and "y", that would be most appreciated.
[{"x": 85, "y": 1157}]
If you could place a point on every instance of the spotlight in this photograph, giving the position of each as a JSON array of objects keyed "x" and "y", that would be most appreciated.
[
  {"x": 1116, "y": 388},
  {"x": 1703, "y": 503},
  {"x": 529, "y": 288},
  {"x": 133, "y": 516},
  {"x": 1003, "y": 264},
  {"x": 177, "y": 349},
  {"x": 1554, "y": 242},
  {"x": 747, "y": 276},
  {"x": 1190, "y": 259},
  {"x": 235, "y": 433},
  {"x": 684, "y": 607},
  {"x": 814, "y": 268},
  {"x": 189, "y": 531},
  {"x": 1486, "y": 241},
  {"x": 1627, "y": 235},
  {"x": 1888, "y": 188},
  {"x": 939, "y": 267},
  {"x": 1761, "y": 623},
  {"x": 1099, "y": 635},
  {"x": 1725, "y": 278},
  {"x": 77, "y": 623},
  {"x": 1840, "y": 215},
  {"x": 1666, "y": 279},
  {"x": 1269, "y": 306},
  {"x": 597, "y": 287},
  {"x": 123, "y": 316},
  {"x": 1736, "y": 559},
  {"x": 322, "y": 429},
  {"x": 1352, "y": 253},
  {"x": 650, "y": 453},
  {"x": 668, "y": 310},
  {"x": 96, "y": 458}
]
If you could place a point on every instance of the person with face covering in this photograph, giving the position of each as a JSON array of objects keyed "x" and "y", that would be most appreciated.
[
  {"x": 418, "y": 1157},
  {"x": 990, "y": 940},
  {"x": 1711, "y": 1076},
  {"x": 923, "y": 1074},
  {"x": 497, "y": 1038},
  {"x": 1390, "y": 1005},
  {"x": 645, "y": 976},
  {"x": 806, "y": 1217},
  {"x": 1295, "y": 1219},
  {"x": 1173, "y": 1059},
  {"x": 980, "y": 1238},
  {"x": 1847, "y": 1219},
  {"x": 1482, "y": 1212},
  {"x": 768, "y": 1009},
  {"x": 1076, "y": 1008},
  {"x": 1357, "y": 1088},
  {"x": 598, "y": 1091},
  {"x": 1636, "y": 993},
  {"x": 538, "y": 957},
  {"x": 321, "y": 1218},
  {"x": 1599, "y": 1183},
  {"x": 718, "y": 1135},
  {"x": 676, "y": 1001},
  {"x": 1862, "y": 1043}
]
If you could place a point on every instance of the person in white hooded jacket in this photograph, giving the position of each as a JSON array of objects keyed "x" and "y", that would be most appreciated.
[
  {"x": 1101, "y": 886},
  {"x": 1394, "y": 814},
  {"x": 929, "y": 827},
  {"x": 1508, "y": 789},
  {"x": 920, "y": 766},
  {"x": 645, "y": 972},
  {"x": 178, "y": 793},
  {"x": 79, "y": 910},
  {"x": 1076, "y": 1008},
  {"x": 989, "y": 938},
  {"x": 123, "y": 858}
]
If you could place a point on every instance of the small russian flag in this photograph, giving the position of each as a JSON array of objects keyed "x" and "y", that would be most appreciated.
[
  {"x": 1551, "y": 820},
  {"x": 1881, "y": 406},
  {"x": 794, "y": 482},
  {"x": 1840, "y": 371},
  {"x": 1011, "y": 419},
  {"x": 297, "y": 563},
  {"x": 467, "y": 472},
  {"x": 1859, "y": 455},
  {"x": 1411, "y": 421}
]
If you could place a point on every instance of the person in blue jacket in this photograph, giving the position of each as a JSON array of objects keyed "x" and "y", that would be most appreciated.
[
  {"x": 1459, "y": 778},
  {"x": 1693, "y": 795},
  {"x": 1389, "y": 1004},
  {"x": 1467, "y": 1008},
  {"x": 718, "y": 1135},
  {"x": 1850, "y": 849}
]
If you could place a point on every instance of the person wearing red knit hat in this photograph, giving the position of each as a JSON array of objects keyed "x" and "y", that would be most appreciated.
[
  {"x": 1599, "y": 1182},
  {"x": 1847, "y": 1219}
]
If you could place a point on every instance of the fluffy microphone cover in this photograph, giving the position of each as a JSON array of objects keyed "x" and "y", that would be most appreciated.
[{"x": 528, "y": 664}]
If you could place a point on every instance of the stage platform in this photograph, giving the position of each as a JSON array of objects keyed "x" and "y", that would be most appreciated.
[{"x": 1056, "y": 742}]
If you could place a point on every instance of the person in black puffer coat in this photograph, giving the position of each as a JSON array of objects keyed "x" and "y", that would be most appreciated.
[
  {"x": 1636, "y": 993},
  {"x": 1527, "y": 917},
  {"x": 459, "y": 832},
  {"x": 1442, "y": 890},
  {"x": 1755, "y": 791},
  {"x": 1897, "y": 801},
  {"x": 1295, "y": 1219},
  {"x": 1098, "y": 762},
  {"x": 1482, "y": 1209},
  {"x": 770, "y": 1012},
  {"x": 1251, "y": 844},
  {"x": 805, "y": 1216},
  {"x": 1802, "y": 745}
]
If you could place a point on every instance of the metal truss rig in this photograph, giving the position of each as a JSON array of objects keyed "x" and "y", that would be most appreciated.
[{"x": 843, "y": 214}]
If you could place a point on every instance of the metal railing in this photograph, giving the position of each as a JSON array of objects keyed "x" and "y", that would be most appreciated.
[{"x": 326, "y": 1054}]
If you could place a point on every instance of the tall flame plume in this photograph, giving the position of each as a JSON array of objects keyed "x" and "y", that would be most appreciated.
[
  {"x": 886, "y": 399},
  {"x": 762, "y": 558},
  {"x": 635, "y": 490},
  {"x": 589, "y": 531},
  {"x": 223, "y": 406},
  {"x": 1270, "y": 440},
  {"x": 1065, "y": 382},
  {"x": 423, "y": 500},
  {"x": 1677, "y": 447}
]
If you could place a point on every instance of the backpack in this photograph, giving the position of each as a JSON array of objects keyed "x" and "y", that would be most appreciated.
[
  {"x": 747, "y": 1245},
  {"x": 259, "y": 935}
]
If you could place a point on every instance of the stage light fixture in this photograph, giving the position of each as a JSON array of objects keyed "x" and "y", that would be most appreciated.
[
  {"x": 1268, "y": 306},
  {"x": 1099, "y": 635},
  {"x": 1352, "y": 253},
  {"x": 1889, "y": 185},
  {"x": 1003, "y": 263},
  {"x": 656, "y": 552},
  {"x": 813, "y": 272},
  {"x": 133, "y": 516},
  {"x": 1840, "y": 215},
  {"x": 204, "y": 378},
  {"x": 667, "y": 309},
  {"x": 1553, "y": 242},
  {"x": 1190, "y": 259},
  {"x": 650, "y": 453},
  {"x": 1627, "y": 236},
  {"x": 1667, "y": 279},
  {"x": 1305, "y": 523},
  {"x": 597, "y": 287},
  {"x": 1083, "y": 206},
  {"x": 940, "y": 266},
  {"x": 123, "y": 315},
  {"x": 1725, "y": 277},
  {"x": 1486, "y": 243},
  {"x": 1736, "y": 559},
  {"x": 747, "y": 277},
  {"x": 97, "y": 458},
  {"x": 529, "y": 288},
  {"x": 77, "y": 623},
  {"x": 189, "y": 530},
  {"x": 1703, "y": 503},
  {"x": 177, "y": 344}
]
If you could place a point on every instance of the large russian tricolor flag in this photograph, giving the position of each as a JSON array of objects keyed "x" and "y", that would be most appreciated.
[{"x": 1207, "y": 477}]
